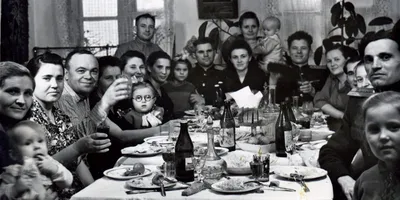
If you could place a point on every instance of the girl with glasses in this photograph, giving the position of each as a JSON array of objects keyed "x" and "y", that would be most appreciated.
[{"x": 144, "y": 113}]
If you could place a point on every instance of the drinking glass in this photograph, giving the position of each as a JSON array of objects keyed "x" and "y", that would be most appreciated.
[
  {"x": 169, "y": 162},
  {"x": 257, "y": 169},
  {"x": 198, "y": 164},
  {"x": 129, "y": 83}
]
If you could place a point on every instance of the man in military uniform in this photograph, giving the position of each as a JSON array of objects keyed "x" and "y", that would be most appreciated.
[
  {"x": 205, "y": 76},
  {"x": 300, "y": 78},
  {"x": 145, "y": 30}
]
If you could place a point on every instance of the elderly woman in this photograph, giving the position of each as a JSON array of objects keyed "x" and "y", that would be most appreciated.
[
  {"x": 332, "y": 99},
  {"x": 242, "y": 71},
  {"x": 16, "y": 89},
  {"x": 133, "y": 64},
  {"x": 159, "y": 68},
  {"x": 63, "y": 142}
]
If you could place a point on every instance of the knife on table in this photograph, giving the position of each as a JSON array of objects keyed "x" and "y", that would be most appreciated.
[{"x": 153, "y": 190}]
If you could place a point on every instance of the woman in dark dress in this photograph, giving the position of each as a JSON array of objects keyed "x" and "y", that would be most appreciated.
[{"x": 242, "y": 69}]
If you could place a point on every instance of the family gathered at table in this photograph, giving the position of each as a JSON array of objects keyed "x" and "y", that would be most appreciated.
[{"x": 86, "y": 127}]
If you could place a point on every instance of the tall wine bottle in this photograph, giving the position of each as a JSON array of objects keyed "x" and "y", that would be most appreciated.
[
  {"x": 184, "y": 155},
  {"x": 288, "y": 128},
  {"x": 289, "y": 109},
  {"x": 228, "y": 133},
  {"x": 280, "y": 133}
]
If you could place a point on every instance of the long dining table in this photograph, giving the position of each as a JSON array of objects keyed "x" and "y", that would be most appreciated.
[{"x": 320, "y": 189}]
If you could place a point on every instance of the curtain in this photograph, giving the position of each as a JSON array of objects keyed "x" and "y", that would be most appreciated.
[
  {"x": 14, "y": 31},
  {"x": 68, "y": 27}
]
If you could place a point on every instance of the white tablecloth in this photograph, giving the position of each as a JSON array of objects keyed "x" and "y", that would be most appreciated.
[{"x": 108, "y": 189}]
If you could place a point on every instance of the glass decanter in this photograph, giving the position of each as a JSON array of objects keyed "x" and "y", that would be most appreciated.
[{"x": 214, "y": 166}]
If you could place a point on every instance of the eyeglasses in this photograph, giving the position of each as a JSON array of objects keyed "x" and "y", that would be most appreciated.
[{"x": 146, "y": 98}]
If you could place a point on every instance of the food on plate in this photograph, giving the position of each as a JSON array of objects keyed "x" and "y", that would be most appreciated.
[
  {"x": 142, "y": 149},
  {"x": 264, "y": 140},
  {"x": 252, "y": 140},
  {"x": 137, "y": 169},
  {"x": 238, "y": 159},
  {"x": 234, "y": 184}
]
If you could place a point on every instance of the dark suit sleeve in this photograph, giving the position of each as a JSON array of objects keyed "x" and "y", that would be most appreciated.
[{"x": 337, "y": 154}]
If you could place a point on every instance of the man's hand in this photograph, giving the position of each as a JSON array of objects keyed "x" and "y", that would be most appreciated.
[
  {"x": 196, "y": 99},
  {"x": 46, "y": 165},
  {"x": 120, "y": 89},
  {"x": 347, "y": 183},
  {"x": 307, "y": 88},
  {"x": 93, "y": 143}
]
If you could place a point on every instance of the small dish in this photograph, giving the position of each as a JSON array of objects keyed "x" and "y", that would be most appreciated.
[{"x": 118, "y": 173}]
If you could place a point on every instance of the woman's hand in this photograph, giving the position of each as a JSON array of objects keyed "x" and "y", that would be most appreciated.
[
  {"x": 93, "y": 143},
  {"x": 347, "y": 183}
]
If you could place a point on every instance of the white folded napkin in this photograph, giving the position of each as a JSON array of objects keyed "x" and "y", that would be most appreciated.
[
  {"x": 151, "y": 119},
  {"x": 244, "y": 98}
]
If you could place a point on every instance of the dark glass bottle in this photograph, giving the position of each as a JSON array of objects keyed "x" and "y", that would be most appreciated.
[
  {"x": 228, "y": 133},
  {"x": 287, "y": 129},
  {"x": 222, "y": 89},
  {"x": 290, "y": 113},
  {"x": 219, "y": 102},
  {"x": 280, "y": 133},
  {"x": 184, "y": 155}
]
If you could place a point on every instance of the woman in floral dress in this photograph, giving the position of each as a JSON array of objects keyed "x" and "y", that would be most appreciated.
[{"x": 62, "y": 138}]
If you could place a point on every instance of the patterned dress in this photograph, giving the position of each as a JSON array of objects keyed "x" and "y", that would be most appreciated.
[{"x": 59, "y": 136}]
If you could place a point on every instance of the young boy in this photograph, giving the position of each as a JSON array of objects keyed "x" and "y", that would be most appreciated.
[{"x": 37, "y": 175}]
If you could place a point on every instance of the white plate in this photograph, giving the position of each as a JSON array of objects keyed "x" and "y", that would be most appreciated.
[
  {"x": 145, "y": 183},
  {"x": 249, "y": 188},
  {"x": 265, "y": 148},
  {"x": 308, "y": 172},
  {"x": 132, "y": 151},
  {"x": 158, "y": 139},
  {"x": 117, "y": 173}
]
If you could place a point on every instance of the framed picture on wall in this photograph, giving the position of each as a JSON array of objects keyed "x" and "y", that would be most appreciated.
[{"x": 211, "y": 9}]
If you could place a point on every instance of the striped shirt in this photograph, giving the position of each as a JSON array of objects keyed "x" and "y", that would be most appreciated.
[{"x": 78, "y": 110}]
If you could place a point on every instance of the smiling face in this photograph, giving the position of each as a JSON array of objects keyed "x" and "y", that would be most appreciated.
[
  {"x": 83, "y": 73},
  {"x": 240, "y": 59},
  {"x": 335, "y": 62},
  {"x": 135, "y": 67},
  {"x": 143, "y": 99},
  {"x": 299, "y": 51},
  {"x": 160, "y": 70},
  {"x": 382, "y": 62},
  {"x": 28, "y": 142},
  {"x": 205, "y": 55},
  {"x": 249, "y": 29},
  {"x": 382, "y": 129},
  {"x": 49, "y": 82},
  {"x": 16, "y": 97},
  {"x": 145, "y": 29},
  {"x": 181, "y": 72}
]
